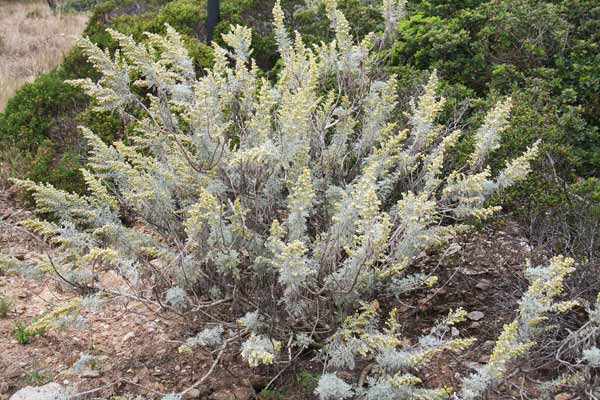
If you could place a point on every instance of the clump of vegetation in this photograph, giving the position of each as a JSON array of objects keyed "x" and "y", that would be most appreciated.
[
  {"x": 308, "y": 381},
  {"x": 267, "y": 394},
  {"x": 37, "y": 378},
  {"x": 33, "y": 127},
  {"x": 580, "y": 345},
  {"x": 484, "y": 50},
  {"x": 305, "y": 202},
  {"x": 6, "y": 305},
  {"x": 21, "y": 333}
]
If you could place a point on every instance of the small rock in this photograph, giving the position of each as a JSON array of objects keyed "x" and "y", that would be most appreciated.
[
  {"x": 196, "y": 393},
  {"x": 475, "y": 325},
  {"x": 89, "y": 373},
  {"x": 470, "y": 272},
  {"x": 238, "y": 393},
  {"x": 127, "y": 337},
  {"x": 475, "y": 315},
  {"x": 258, "y": 382},
  {"x": 51, "y": 391},
  {"x": 4, "y": 388},
  {"x": 455, "y": 332},
  {"x": 472, "y": 365},
  {"x": 488, "y": 345},
  {"x": 563, "y": 396},
  {"x": 483, "y": 284}
]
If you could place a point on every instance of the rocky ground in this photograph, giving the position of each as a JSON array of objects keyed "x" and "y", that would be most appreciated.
[{"x": 135, "y": 345}]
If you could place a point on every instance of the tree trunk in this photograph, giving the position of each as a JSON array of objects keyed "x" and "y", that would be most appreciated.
[
  {"x": 52, "y": 5},
  {"x": 213, "y": 12}
]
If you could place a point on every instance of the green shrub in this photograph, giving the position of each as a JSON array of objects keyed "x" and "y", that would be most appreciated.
[
  {"x": 58, "y": 167},
  {"x": 36, "y": 109},
  {"x": 186, "y": 16},
  {"x": 308, "y": 381},
  {"x": 109, "y": 125},
  {"x": 38, "y": 124},
  {"x": 493, "y": 49},
  {"x": 21, "y": 333},
  {"x": 79, "y": 5}
]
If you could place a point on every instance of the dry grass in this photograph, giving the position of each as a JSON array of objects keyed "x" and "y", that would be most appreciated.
[{"x": 32, "y": 41}]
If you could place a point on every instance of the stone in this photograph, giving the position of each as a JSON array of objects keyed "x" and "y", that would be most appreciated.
[
  {"x": 483, "y": 284},
  {"x": 475, "y": 315},
  {"x": 197, "y": 393},
  {"x": 563, "y": 396},
  {"x": 4, "y": 388},
  {"x": 258, "y": 382},
  {"x": 51, "y": 391},
  {"x": 238, "y": 393},
  {"x": 89, "y": 373},
  {"x": 472, "y": 365},
  {"x": 13, "y": 372},
  {"x": 487, "y": 346},
  {"x": 127, "y": 337}
]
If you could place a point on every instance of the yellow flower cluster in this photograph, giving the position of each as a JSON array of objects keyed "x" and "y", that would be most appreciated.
[
  {"x": 43, "y": 324},
  {"x": 259, "y": 350}
]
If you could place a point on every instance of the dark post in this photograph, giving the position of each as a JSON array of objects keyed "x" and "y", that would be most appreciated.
[
  {"x": 52, "y": 5},
  {"x": 213, "y": 12}
]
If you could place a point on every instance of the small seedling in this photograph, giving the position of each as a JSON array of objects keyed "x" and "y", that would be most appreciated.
[
  {"x": 36, "y": 378},
  {"x": 308, "y": 380},
  {"x": 22, "y": 334},
  {"x": 5, "y": 306}
]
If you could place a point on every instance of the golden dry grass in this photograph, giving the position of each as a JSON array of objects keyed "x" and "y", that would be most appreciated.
[{"x": 32, "y": 41}]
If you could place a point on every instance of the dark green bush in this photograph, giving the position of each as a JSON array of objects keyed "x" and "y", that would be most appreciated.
[
  {"x": 79, "y": 5},
  {"x": 38, "y": 122},
  {"x": 186, "y": 16},
  {"x": 35, "y": 110},
  {"x": 543, "y": 54},
  {"x": 58, "y": 166}
]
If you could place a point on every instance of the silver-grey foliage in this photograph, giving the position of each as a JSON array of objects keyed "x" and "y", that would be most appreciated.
[{"x": 287, "y": 206}]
